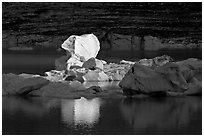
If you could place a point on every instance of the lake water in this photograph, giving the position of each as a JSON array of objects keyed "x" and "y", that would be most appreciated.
[
  {"x": 102, "y": 116},
  {"x": 36, "y": 115}
]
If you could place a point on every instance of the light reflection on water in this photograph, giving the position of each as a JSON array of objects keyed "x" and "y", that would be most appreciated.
[
  {"x": 81, "y": 111},
  {"x": 181, "y": 115}
]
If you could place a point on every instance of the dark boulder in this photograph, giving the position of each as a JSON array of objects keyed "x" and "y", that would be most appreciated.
[
  {"x": 93, "y": 64},
  {"x": 178, "y": 78},
  {"x": 142, "y": 79}
]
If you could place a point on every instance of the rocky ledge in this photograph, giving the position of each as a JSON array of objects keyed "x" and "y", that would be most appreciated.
[{"x": 148, "y": 77}]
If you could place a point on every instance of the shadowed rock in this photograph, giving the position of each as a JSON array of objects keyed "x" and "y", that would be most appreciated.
[
  {"x": 9, "y": 82},
  {"x": 14, "y": 84},
  {"x": 93, "y": 64},
  {"x": 180, "y": 78},
  {"x": 191, "y": 68},
  {"x": 56, "y": 89},
  {"x": 143, "y": 79}
]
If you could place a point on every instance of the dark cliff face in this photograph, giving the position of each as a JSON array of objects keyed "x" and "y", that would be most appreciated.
[{"x": 59, "y": 20}]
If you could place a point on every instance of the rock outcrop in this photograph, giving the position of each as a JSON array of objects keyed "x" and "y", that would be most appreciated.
[{"x": 177, "y": 78}]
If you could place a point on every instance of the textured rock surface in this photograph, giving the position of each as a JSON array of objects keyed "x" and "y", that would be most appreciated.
[
  {"x": 180, "y": 78},
  {"x": 190, "y": 68},
  {"x": 172, "y": 73},
  {"x": 14, "y": 84},
  {"x": 56, "y": 89},
  {"x": 66, "y": 90},
  {"x": 142, "y": 79},
  {"x": 9, "y": 82},
  {"x": 30, "y": 84}
]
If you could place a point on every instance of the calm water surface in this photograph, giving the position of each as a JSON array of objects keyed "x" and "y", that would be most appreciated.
[
  {"x": 102, "y": 116},
  {"x": 36, "y": 115}
]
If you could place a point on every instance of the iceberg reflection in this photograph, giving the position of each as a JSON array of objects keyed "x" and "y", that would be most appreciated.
[{"x": 80, "y": 111}]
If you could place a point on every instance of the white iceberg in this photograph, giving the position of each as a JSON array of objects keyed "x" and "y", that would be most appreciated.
[{"x": 82, "y": 48}]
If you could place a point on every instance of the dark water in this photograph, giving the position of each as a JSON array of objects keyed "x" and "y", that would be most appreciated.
[
  {"x": 102, "y": 116},
  {"x": 35, "y": 115}
]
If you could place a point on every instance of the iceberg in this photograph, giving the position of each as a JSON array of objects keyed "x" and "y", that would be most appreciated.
[{"x": 81, "y": 48}]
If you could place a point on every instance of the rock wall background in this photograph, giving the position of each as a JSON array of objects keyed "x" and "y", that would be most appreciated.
[{"x": 49, "y": 24}]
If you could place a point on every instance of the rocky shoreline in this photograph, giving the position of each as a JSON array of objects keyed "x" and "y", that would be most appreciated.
[{"x": 148, "y": 77}]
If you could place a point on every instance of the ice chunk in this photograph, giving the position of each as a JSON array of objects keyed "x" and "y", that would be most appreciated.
[{"x": 82, "y": 48}]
